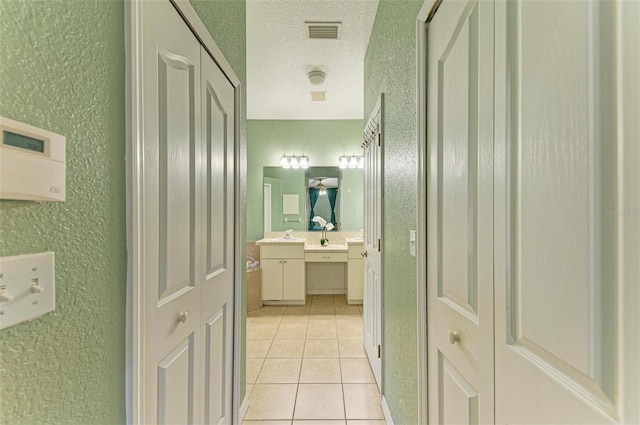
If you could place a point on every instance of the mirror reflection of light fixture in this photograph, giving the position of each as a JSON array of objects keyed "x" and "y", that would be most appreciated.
[
  {"x": 322, "y": 190},
  {"x": 351, "y": 161},
  {"x": 292, "y": 161}
]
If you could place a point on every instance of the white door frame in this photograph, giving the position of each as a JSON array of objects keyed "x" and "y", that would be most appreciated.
[
  {"x": 266, "y": 190},
  {"x": 135, "y": 349},
  {"x": 425, "y": 15}
]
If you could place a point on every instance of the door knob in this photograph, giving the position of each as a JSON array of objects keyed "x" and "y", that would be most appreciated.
[
  {"x": 453, "y": 337},
  {"x": 364, "y": 253},
  {"x": 182, "y": 317}
]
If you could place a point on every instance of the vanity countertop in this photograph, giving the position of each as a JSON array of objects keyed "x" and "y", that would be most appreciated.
[
  {"x": 354, "y": 241},
  {"x": 281, "y": 241}
]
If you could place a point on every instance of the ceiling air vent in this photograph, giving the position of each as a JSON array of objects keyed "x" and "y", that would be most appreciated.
[
  {"x": 318, "y": 96},
  {"x": 323, "y": 30}
]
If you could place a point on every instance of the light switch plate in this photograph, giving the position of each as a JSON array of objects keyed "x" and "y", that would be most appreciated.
[{"x": 27, "y": 287}]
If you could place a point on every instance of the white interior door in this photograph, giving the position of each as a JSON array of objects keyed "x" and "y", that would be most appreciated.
[
  {"x": 460, "y": 213},
  {"x": 216, "y": 302},
  {"x": 187, "y": 225},
  {"x": 372, "y": 298},
  {"x": 567, "y": 237}
]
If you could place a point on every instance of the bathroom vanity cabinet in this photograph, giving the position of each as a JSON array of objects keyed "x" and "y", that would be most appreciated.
[{"x": 283, "y": 274}]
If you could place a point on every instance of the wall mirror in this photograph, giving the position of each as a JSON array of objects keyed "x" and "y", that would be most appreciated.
[{"x": 336, "y": 195}]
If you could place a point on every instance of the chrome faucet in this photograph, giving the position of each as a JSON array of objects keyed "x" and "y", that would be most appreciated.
[{"x": 287, "y": 234}]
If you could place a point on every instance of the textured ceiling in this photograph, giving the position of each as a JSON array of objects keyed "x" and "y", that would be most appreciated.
[{"x": 279, "y": 56}]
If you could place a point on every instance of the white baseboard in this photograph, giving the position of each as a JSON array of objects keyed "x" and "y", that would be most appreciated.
[
  {"x": 243, "y": 408},
  {"x": 385, "y": 411}
]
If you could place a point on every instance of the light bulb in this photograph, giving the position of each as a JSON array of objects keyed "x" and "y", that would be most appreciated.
[
  {"x": 304, "y": 162},
  {"x": 294, "y": 162},
  {"x": 284, "y": 161},
  {"x": 353, "y": 163},
  {"x": 361, "y": 162},
  {"x": 344, "y": 162}
]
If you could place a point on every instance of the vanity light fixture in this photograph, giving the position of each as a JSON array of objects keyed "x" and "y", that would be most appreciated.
[
  {"x": 351, "y": 161},
  {"x": 292, "y": 161}
]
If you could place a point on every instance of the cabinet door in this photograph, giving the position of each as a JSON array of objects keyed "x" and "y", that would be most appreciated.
[
  {"x": 293, "y": 283},
  {"x": 272, "y": 280},
  {"x": 355, "y": 276}
]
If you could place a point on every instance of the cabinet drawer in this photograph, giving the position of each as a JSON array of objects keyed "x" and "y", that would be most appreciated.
[
  {"x": 355, "y": 251},
  {"x": 327, "y": 257},
  {"x": 280, "y": 251}
]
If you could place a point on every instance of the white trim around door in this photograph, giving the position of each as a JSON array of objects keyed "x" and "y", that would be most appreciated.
[{"x": 424, "y": 16}]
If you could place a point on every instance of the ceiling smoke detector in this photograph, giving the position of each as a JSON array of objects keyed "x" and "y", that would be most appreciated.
[{"x": 316, "y": 77}]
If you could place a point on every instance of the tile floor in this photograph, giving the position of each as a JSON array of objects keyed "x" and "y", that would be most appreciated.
[{"x": 306, "y": 366}]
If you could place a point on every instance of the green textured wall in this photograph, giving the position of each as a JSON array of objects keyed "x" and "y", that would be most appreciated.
[
  {"x": 267, "y": 140},
  {"x": 390, "y": 68},
  {"x": 226, "y": 22},
  {"x": 62, "y": 69}
]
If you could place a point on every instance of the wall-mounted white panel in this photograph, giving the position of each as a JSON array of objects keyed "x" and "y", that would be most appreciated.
[
  {"x": 291, "y": 203},
  {"x": 27, "y": 287},
  {"x": 32, "y": 162}
]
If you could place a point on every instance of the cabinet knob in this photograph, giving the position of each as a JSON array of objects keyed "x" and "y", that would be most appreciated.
[
  {"x": 364, "y": 253},
  {"x": 182, "y": 317},
  {"x": 453, "y": 337}
]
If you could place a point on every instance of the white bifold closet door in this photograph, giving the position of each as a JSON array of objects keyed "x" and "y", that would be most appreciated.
[
  {"x": 567, "y": 254},
  {"x": 460, "y": 213},
  {"x": 188, "y": 193},
  {"x": 533, "y": 142}
]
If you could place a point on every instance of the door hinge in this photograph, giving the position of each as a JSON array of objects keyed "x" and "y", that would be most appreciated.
[
  {"x": 379, "y": 139},
  {"x": 378, "y": 350},
  {"x": 378, "y": 244}
]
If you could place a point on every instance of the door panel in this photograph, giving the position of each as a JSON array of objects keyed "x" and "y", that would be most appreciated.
[
  {"x": 459, "y": 398},
  {"x": 175, "y": 383},
  {"x": 557, "y": 267},
  {"x": 216, "y": 363},
  {"x": 457, "y": 166},
  {"x": 176, "y": 158},
  {"x": 216, "y": 305},
  {"x": 215, "y": 131},
  {"x": 460, "y": 213}
]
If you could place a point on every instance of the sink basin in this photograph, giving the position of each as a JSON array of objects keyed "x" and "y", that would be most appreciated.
[
  {"x": 280, "y": 240},
  {"x": 354, "y": 240}
]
